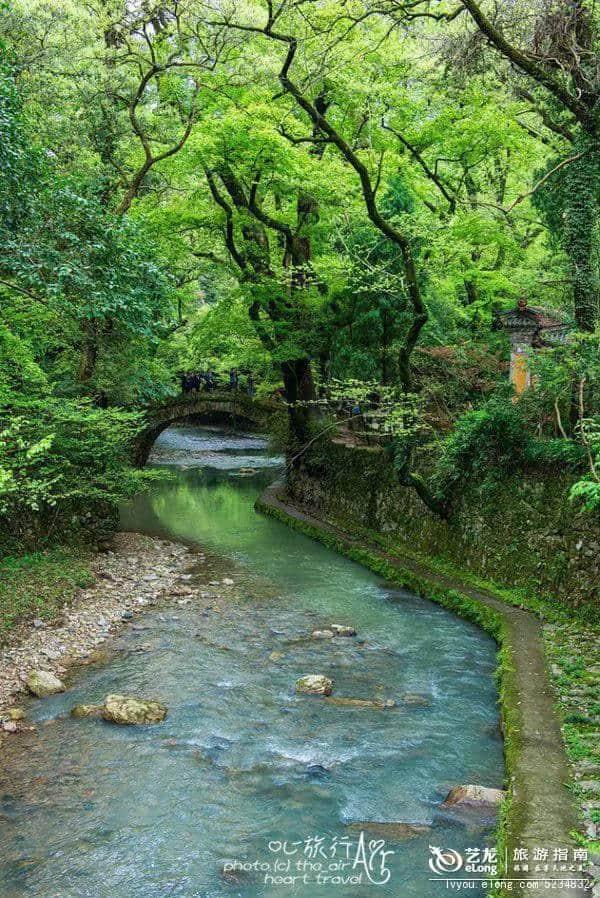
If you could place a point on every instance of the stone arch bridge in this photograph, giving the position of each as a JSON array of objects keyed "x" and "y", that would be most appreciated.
[{"x": 232, "y": 408}]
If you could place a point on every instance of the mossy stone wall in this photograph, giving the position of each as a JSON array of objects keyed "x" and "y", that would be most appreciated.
[{"x": 522, "y": 532}]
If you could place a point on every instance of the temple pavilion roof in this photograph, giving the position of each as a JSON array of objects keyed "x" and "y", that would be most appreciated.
[{"x": 535, "y": 325}]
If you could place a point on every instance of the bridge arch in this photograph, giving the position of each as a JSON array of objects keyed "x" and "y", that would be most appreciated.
[{"x": 237, "y": 409}]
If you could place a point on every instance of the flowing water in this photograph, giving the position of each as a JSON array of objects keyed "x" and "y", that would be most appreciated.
[{"x": 243, "y": 771}]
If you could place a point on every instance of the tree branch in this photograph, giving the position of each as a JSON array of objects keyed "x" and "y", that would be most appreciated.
[
  {"x": 543, "y": 180},
  {"x": 237, "y": 257},
  {"x": 528, "y": 65},
  {"x": 451, "y": 200}
]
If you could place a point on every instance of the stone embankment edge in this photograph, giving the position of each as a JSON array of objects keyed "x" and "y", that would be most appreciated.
[{"x": 539, "y": 810}]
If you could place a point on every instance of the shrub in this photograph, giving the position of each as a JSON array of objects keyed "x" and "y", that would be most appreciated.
[
  {"x": 587, "y": 490},
  {"x": 555, "y": 453},
  {"x": 494, "y": 440},
  {"x": 54, "y": 451},
  {"x": 490, "y": 441}
]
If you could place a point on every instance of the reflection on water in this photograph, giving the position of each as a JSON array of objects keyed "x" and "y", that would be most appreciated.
[{"x": 241, "y": 761}]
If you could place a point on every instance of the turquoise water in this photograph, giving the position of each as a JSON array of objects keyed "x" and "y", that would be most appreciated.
[{"x": 243, "y": 770}]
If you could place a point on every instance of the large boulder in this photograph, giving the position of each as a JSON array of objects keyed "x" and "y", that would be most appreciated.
[
  {"x": 43, "y": 683},
  {"x": 322, "y": 634},
  {"x": 126, "y": 709},
  {"x": 86, "y": 711},
  {"x": 473, "y": 797},
  {"x": 314, "y": 684}
]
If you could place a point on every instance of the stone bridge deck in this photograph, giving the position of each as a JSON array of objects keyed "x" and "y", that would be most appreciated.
[{"x": 233, "y": 407}]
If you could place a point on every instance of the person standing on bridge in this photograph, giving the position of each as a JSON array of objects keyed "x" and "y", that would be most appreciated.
[
  {"x": 233, "y": 379},
  {"x": 250, "y": 388},
  {"x": 210, "y": 380}
]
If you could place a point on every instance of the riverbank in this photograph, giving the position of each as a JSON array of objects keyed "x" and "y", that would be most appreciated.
[
  {"x": 100, "y": 595},
  {"x": 540, "y": 811},
  {"x": 519, "y": 530}
]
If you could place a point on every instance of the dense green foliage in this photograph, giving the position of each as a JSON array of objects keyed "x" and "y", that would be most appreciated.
[
  {"x": 53, "y": 451},
  {"x": 299, "y": 193},
  {"x": 492, "y": 442}
]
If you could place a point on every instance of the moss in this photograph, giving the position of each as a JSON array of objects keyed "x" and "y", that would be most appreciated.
[
  {"x": 38, "y": 585},
  {"x": 545, "y": 608}
]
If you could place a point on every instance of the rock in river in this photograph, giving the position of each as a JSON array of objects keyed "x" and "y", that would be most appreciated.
[
  {"x": 322, "y": 634},
  {"x": 314, "y": 684},
  {"x": 416, "y": 700},
  {"x": 86, "y": 711},
  {"x": 472, "y": 796},
  {"x": 394, "y": 832},
  {"x": 126, "y": 709},
  {"x": 378, "y": 704},
  {"x": 43, "y": 683},
  {"x": 339, "y": 630}
]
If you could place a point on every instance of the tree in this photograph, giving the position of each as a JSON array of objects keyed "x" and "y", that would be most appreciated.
[
  {"x": 554, "y": 46},
  {"x": 371, "y": 312},
  {"x": 68, "y": 264}
]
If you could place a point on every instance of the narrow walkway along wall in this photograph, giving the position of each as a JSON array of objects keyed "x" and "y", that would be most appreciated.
[
  {"x": 522, "y": 532},
  {"x": 540, "y": 810}
]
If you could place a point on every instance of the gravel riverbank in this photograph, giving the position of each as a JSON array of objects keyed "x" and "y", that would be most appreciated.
[{"x": 136, "y": 572}]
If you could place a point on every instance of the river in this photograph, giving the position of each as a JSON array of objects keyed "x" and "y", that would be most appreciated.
[{"x": 243, "y": 771}]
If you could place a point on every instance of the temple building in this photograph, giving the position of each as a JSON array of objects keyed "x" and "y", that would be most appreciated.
[{"x": 529, "y": 328}]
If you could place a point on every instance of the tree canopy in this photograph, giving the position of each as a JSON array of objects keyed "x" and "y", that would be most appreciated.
[{"x": 299, "y": 190}]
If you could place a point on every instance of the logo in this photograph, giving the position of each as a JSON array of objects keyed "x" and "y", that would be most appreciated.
[{"x": 444, "y": 860}]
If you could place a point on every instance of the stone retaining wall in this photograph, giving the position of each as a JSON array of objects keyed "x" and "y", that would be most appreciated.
[{"x": 522, "y": 533}]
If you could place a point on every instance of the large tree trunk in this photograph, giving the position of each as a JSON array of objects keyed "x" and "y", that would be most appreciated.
[
  {"x": 89, "y": 351},
  {"x": 299, "y": 387},
  {"x": 297, "y": 373},
  {"x": 580, "y": 240},
  {"x": 385, "y": 345}
]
